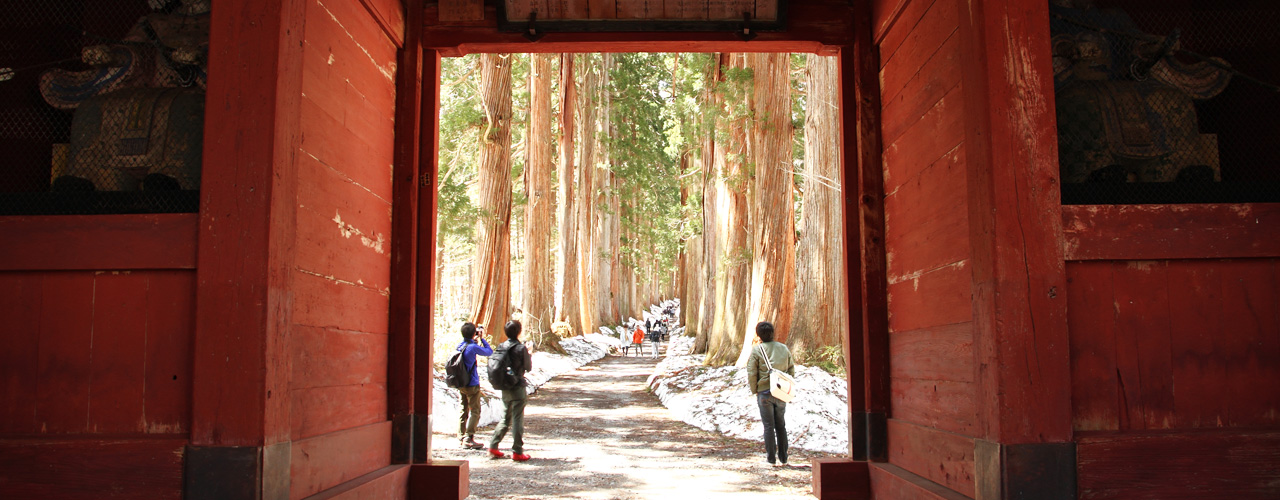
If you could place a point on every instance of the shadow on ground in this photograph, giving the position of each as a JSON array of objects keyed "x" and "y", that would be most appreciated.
[{"x": 598, "y": 433}]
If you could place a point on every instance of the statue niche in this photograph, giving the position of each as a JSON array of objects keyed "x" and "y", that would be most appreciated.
[
  {"x": 139, "y": 110},
  {"x": 1125, "y": 104}
]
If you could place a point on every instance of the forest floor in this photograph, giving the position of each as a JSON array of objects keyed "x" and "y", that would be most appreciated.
[{"x": 599, "y": 433}]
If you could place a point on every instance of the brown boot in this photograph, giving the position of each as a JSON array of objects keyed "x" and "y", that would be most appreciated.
[{"x": 470, "y": 443}]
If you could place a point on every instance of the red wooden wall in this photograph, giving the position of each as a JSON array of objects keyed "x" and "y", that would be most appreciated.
[
  {"x": 1174, "y": 314},
  {"x": 934, "y": 417},
  {"x": 101, "y": 383},
  {"x": 95, "y": 355},
  {"x": 341, "y": 277}
]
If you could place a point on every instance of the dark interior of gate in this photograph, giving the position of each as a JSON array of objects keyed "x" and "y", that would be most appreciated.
[{"x": 1008, "y": 342}]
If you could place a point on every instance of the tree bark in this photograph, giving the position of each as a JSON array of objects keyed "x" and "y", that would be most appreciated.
[
  {"x": 587, "y": 198},
  {"x": 567, "y": 259},
  {"x": 491, "y": 298},
  {"x": 771, "y": 199},
  {"x": 733, "y": 272},
  {"x": 820, "y": 318},
  {"x": 711, "y": 178},
  {"x": 538, "y": 283}
]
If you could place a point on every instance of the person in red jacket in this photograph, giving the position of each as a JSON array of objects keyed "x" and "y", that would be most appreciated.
[{"x": 637, "y": 339}]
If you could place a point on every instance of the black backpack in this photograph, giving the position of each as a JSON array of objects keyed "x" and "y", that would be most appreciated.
[
  {"x": 504, "y": 370},
  {"x": 456, "y": 372}
]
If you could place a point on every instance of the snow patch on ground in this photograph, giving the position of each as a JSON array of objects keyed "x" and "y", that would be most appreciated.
[
  {"x": 448, "y": 403},
  {"x": 716, "y": 399}
]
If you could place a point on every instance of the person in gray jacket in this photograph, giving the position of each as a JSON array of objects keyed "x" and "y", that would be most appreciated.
[{"x": 772, "y": 410}]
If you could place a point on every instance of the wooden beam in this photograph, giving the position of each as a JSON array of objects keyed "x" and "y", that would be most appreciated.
[
  {"x": 1021, "y": 348},
  {"x": 98, "y": 242},
  {"x": 404, "y": 237},
  {"x": 248, "y": 192},
  {"x": 1162, "y": 232},
  {"x": 425, "y": 295},
  {"x": 1218, "y": 463},
  {"x": 1019, "y": 276},
  {"x": 850, "y": 184},
  {"x": 80, "y": 468},
  {"x": 870, "y": 198},
  {"x": 817, "y": 27}
]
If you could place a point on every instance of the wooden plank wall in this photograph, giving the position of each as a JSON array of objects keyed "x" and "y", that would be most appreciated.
[
  {"x": 95, "y": 355},
  {"x": 1175, "y": 360},
  {"x": 933, "y": 414},
  {"x": 341, "y": 281}
]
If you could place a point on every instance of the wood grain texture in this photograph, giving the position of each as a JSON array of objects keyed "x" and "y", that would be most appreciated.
[
  {"x": 1019, "y": 277},
  {"x": 387, "y": 483},
  {"x": 820, "y": 26},
  {"x": 118, "y": 353},
  {"x": 927, "y": 85},
  {"x": 941, "y": 457},
  {"x": 1142, "y": 345},
  {"x": 458, "y": 10},
  {"x": 1095, "y": 396},
  {"x": 936, "y": 353},
  {"x": 924, "y": 235},
  {"x": 1184, "y": 344},
  {"x": 925, "y": 41},
  {"x": 319, "y": 410},
  {"x": 328, "y": 460},
  {"x": 99, "y": 242},
  {"x": 938, "y": 404},
  {"x": 1179, "y": 465},
  {"x": 248, "y": 201},
  {"x": 404, "y": 218},
  {"x": 424, "y": 301},
  {"x": 390, "y": 15},
  {"x": 937, "y": 297},
  {"x": 891, "y": 481},
  {"x": 872, "y": 211},
  {"x": 934, "y": 136},
  {"x": 20, "y": 304},
  {"x": 65, "y": 354},
  {"x": 91, "y": 469},
  {"x": 1157, "y": 232}
]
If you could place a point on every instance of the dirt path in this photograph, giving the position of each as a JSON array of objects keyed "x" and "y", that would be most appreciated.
[{"x": 597, "y": 433}]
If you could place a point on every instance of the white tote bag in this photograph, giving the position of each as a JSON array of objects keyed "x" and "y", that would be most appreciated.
[{"x": 781, "y": 385}]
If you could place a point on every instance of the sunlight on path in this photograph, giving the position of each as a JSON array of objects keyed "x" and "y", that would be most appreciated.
[{"x": 597, "y": 433}]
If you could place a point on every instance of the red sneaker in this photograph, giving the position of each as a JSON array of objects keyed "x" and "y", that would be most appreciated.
[
  {"x": 494, "y": 453},
  {"x": 520, "y": 457}
]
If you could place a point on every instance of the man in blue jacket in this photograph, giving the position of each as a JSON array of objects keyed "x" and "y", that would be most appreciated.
[{"x": 471, "y": 392}]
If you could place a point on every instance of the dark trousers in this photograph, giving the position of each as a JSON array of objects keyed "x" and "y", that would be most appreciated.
[
  {"x": 512, "y": 418},
  {"x": 773, "y": 413},
  {"x": 470, "y": 412}
]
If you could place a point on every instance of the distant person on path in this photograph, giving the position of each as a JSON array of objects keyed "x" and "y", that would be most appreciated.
[
  {"x": 513, "y": 399},
  {"x": 637, "y": 339},
  {"x": 471, "y": 392},
  {"x": 655, "y": 337},
  {"x": 772, "y": 410}
]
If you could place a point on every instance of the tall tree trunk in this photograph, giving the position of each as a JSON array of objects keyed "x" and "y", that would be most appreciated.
[
  {"x": 820, "y": 318},
  {"x": 733, "y": 277},
  {"x": 587, "y": 201},
  {"x": 609, "y": 215},
  {"x": 772, "y": 198},
  {"x": 539, "y": 282},
  {"x": 711, "y": 179},
  {"x": 567, "y": 260},
  {"x": 491, "y": 300}
]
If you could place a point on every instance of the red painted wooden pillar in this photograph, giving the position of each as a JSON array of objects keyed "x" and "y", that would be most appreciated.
[
  {"x": 429, "y": 478},
  {"x": 1022, "y": 360},
  {"x": 240, "y": 407},
  {"x": 866, "y": 342}
]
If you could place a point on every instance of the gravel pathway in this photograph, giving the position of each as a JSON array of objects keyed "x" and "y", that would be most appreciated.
[{"x": 598, "y": 433}]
